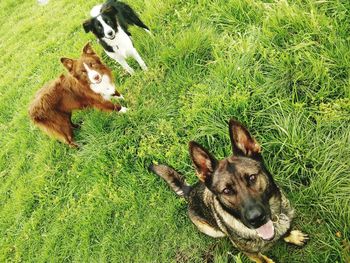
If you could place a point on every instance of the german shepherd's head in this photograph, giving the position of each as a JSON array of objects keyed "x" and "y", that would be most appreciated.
[{"x": 241, "y": 183}]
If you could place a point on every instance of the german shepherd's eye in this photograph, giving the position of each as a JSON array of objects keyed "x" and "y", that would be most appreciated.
[
  {"x": 228, "y": 191},
  {"x": 83, "y": 71},
  {"x": 252, "y": 179}
]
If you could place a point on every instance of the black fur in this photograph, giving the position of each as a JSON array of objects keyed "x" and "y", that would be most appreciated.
[
  {"x": 105, "y": 46},
  {"x": 125, "y": 14}
]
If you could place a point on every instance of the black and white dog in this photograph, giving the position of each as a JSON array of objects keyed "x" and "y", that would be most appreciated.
[{"x": 109, "y": 23}]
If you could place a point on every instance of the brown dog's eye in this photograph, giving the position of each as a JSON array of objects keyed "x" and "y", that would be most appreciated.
[{"x": 252, "y": 179}]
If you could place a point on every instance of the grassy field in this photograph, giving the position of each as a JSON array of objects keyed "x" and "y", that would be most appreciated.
[{"x": 280, "y": 67}]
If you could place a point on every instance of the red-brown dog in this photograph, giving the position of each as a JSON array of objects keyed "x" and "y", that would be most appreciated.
[{"x": 88, "y": 85}]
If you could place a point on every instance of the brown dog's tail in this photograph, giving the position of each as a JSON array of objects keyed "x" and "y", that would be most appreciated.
[{"x": 173, "y": 178}]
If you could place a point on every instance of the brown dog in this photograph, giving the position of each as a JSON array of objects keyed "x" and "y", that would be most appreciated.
[{"x": 88, "y": 85}]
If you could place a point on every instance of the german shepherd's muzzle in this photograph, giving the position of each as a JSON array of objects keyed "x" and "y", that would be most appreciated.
[{"x": 236, "y": 197}]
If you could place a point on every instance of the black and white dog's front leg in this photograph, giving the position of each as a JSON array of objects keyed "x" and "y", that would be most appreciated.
[
  {"x": 139, "y": 60},
  {"x": 121, "y": 60}
]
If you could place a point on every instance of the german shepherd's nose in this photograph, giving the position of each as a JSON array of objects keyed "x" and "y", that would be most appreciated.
[{"x": 255, "y": 216}]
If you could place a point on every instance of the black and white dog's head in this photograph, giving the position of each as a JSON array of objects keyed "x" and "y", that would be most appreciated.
[
  {"x": 103, "y": 23},
  {"x": 111, "y": 16}
]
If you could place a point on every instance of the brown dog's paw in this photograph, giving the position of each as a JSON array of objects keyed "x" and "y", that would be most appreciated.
[
  {"x": 297, "y": 238},
  {"x": 74, "y": 145}
]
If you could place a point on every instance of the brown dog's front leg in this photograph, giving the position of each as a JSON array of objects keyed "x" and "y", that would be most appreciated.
[
  {"x": 258, "y": 258},
  {"x": 109, "y": 106},
  {"x": 119, "y": 108},
  {"x": 105, "y": 106}
]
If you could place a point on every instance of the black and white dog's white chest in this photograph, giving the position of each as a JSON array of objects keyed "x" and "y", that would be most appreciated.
[{"x": 121, "y": 44}]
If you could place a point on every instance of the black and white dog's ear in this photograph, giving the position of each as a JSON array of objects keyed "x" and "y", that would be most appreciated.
[
  {"x": 110, "y": 8},
  {"x": 111, "y": 11},
  {"x": 242, "y": 142},
  {"x": 87, "y": 25}
]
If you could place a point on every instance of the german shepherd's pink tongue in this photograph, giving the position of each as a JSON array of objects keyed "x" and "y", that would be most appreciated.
[{"x": 266, "y": 231}]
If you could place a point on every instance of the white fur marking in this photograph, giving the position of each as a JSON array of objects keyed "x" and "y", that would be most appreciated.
[
  {"x": 96, "y": 10},
  {"x": 92, "y": 74},
  {"x": 104, "y": 86}
]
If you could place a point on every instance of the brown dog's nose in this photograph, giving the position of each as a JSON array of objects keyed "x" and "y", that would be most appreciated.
[{"x": 97, "y": 77}]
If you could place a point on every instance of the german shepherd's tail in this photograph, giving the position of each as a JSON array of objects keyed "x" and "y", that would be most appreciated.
[{"x": 173, "y": 178}]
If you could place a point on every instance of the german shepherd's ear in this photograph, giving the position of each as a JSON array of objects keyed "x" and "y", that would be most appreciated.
[
  {"x": 242, "y": 142},
  {"x": 204, "y": 162},
  {"x": 68, "y": 63},
  {"x": 87, "y": 50},
  {"x": 87, "y": 25}
]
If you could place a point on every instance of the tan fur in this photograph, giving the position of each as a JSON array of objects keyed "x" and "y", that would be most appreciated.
[
  {"x": 296, "y": 237},
  {"x": 259, "y": 258},
  {"x": 205, "y": 228},
  {"x": 53, "y": 104}
]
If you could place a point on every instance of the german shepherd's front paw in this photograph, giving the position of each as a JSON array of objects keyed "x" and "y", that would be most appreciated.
[
  {"x": 267, "y": 260},
  {"x": 297, "y": 238},
  {"x": 259, "y": 258}
]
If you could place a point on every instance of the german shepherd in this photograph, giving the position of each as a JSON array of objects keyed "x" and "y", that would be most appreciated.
[{"x": 236, "y": 197}]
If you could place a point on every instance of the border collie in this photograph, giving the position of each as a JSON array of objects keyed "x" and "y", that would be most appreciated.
[
  {"x": 88, "y": 84},
  {"x": 109, "y": 23}
]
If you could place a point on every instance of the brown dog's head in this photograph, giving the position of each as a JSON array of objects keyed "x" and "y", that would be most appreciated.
[
  {"x": 89, "y": 70},
  {"x": 241, "y": 183}
]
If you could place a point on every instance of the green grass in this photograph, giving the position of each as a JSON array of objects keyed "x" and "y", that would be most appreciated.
[{"x": 280, "y": 67}]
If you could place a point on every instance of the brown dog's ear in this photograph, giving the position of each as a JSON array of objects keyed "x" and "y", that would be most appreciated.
[
  {"x": 203, "y": 161},
  {"x": 242, "y": 142},
  {"x": 87, "y": 50},
  {"x": 87, "y": 25},
  {"x": 67, "y": 63}
]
